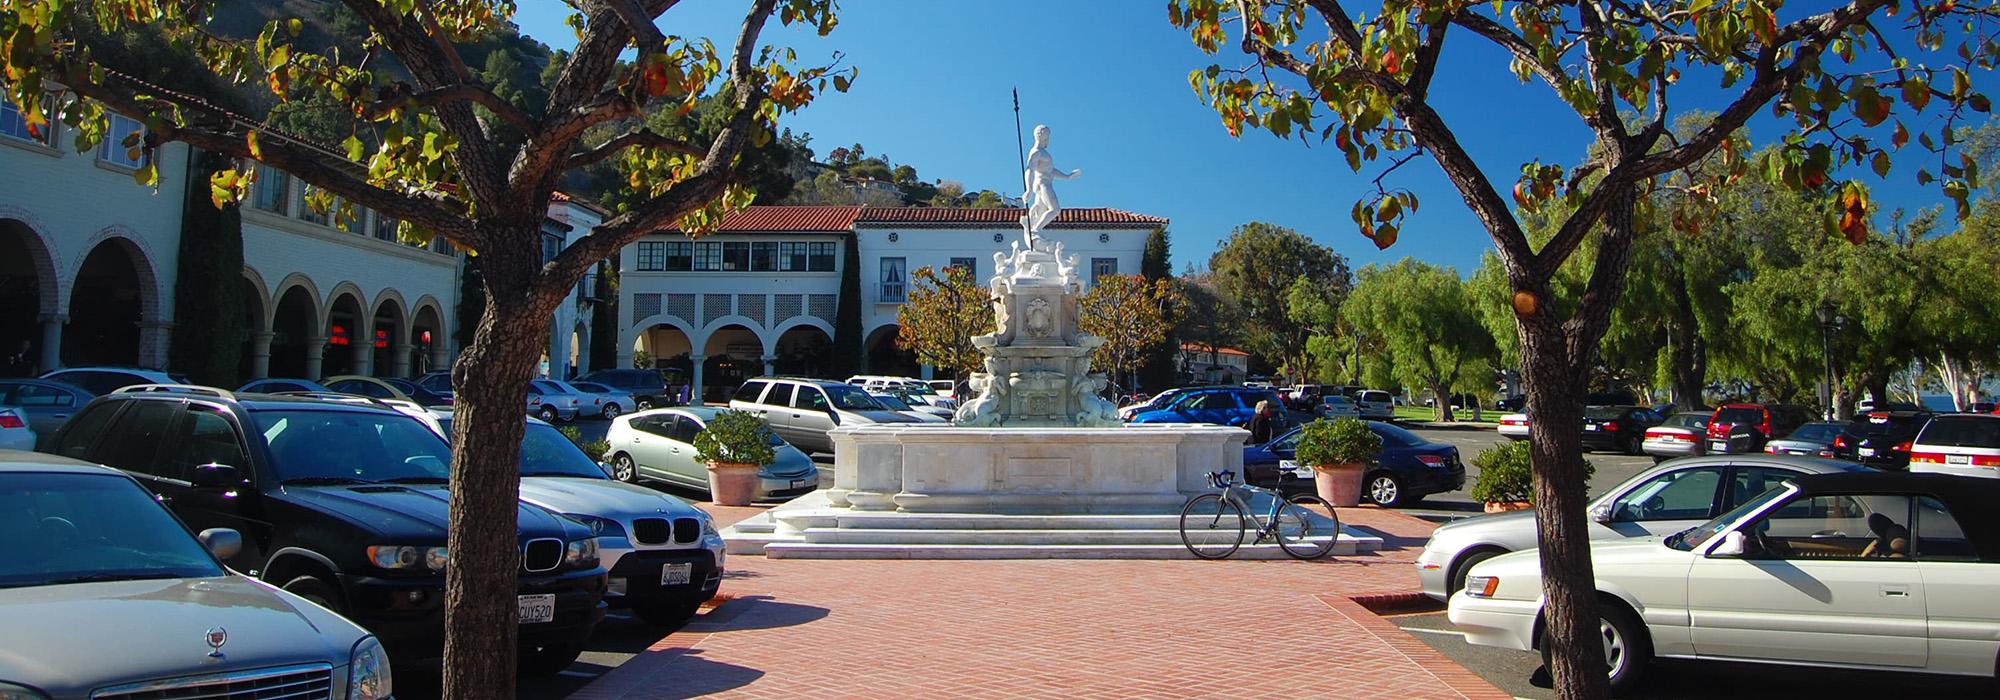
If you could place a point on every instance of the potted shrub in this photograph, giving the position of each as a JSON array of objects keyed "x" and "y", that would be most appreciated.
[
  {"x": 735, "y": 445},
  {"x": 1507, "y": 477},
  {"x": 1339, "y": 451}
]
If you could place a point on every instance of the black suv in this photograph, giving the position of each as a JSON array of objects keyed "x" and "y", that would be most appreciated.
[
  {"x": 342, "y": 503},
  {"x": 1880, "y": 439},
  {"x": 646, "y": 386}
]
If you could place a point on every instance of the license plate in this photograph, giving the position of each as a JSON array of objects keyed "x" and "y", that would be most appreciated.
[
  {"x": 1867, "y": 451},
  {"x": 1714, "y": 446},
  {"x": 537, "y": 608},
  {"x": 676, "y": 574},
  {"x": 1295, "y": 468},
  {"x": 1958, "y": 459},
  {"x": 798, "y": 482},
  {"x": 1590, "y": 426}
]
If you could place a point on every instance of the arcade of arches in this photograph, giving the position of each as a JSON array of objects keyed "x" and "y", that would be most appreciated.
[{"x": 731, "y": 353}]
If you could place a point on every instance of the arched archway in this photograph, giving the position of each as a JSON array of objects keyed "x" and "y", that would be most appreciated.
[
  {"x": 427, "y": 339},
  {"x": 804, "y": 350},
  {"x": 664, "y": 343},
  {"x": 389, "y": 336},
  {"x": 296, "y": 343},
  {"x": 112, "y": 294},
  {"x": 885, "y": 358},
  {"x": 732, "y": 354},
  {"x": 28, "y": 294},
  {"x": 255, "y": 360},
  {"x": 346, "y": 330}
]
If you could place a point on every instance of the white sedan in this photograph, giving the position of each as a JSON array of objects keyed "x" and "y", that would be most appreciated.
[
  {"x": 15, "y": 433},
  {"x": 1879, "y": 571},
  {"x": 1514, "y": 425}
]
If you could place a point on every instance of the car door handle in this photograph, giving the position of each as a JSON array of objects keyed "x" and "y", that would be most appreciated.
[
  {"x": 60, "y": 415},
  {"x": 1895, "y": 591}
]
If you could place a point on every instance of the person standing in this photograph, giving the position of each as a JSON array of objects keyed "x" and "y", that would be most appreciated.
[
  {"x": 22, "y": 362},
  {"x": 1263, "y": 424}
]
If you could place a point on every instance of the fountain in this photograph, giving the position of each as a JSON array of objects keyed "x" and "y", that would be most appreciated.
[{"x": 1035, "y": 465}]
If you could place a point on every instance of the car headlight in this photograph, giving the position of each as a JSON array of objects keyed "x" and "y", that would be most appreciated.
[
  {"x": 708, "y": 529},
  {"x": 581, "y": 553},
  {"x": 601, "y": 527},
  {"x": 1481, "y": 586},
  {"x": 368, "y": 671},
  {"x": 405, "y": 557},
  {"x": 10, "y": 691}
]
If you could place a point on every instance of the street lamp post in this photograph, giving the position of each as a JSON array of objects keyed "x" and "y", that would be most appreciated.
[{"x": 1827, "y": 320}]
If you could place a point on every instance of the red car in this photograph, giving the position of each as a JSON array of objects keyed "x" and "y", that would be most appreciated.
[{"x": 1737, "y": 428}]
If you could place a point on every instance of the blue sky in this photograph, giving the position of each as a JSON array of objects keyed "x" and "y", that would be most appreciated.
[{"x": 1110, "y": 79}]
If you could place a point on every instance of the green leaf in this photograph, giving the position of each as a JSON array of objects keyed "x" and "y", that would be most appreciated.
[
  {"x": 354, "y": 148},
  {"x": 256, "y": 149},
  {"x": 1881, "y": 164},
  {"x": 147, "y": 175}
]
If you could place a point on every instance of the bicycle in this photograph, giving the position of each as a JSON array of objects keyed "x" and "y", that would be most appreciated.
[{"x": 1213, "y": 524}]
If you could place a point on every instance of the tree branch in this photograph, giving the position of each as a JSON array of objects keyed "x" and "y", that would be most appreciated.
[
  {"x": 1427, "y": 59},
  {"x": 637, "y": 137},
  {"x": 403, "y": 93}
]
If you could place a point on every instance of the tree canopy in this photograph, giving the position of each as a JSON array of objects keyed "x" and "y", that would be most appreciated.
[{"x": 1256, "y": 267}]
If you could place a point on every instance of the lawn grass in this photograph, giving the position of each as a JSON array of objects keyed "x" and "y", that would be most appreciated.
[{"x": 1425, "y": 414}]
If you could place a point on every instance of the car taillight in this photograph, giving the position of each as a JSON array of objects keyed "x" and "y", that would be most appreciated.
[
  {"x": 1611, "y": 427},
  {"x": 1927, "y": 458},
  {"x": 1771, "y": 449},
  {"x": 1719, "y": 430},
  {"x": 1905, "y": 447},
  {"x": 10, "y": 421},
  {"x": 1432, "y": 461},
  {"x": 1841, "y": 441},
  {"x": 1985, "y": 461}
]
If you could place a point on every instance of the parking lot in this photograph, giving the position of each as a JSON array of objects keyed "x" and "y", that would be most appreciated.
[{"x": 1611, "y": 469}]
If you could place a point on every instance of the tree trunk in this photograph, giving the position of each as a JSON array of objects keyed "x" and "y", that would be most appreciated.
[
  {"x": 489, "y": 381},
  {"x": 1555, "y": 390}
]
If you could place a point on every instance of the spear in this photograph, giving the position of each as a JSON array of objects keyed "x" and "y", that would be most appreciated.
[{"x": 1020, "y": 150}]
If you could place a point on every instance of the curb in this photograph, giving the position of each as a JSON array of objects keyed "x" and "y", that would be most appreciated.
[{"x": 1464, "y": 682}]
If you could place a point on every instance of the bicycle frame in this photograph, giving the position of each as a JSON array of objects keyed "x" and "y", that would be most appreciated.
[{"x": 1267, "y": 526}]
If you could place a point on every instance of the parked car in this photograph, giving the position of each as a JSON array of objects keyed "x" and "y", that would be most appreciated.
[
  {"x": 1983, "y": 407},
  {"x": 647, "y": 387},
  {"x": 104, "y": 380},
  {"x": 1336, "y": 406},
  {"x": 552, "y": 401},
  {"x": 1158, "y": 400},
  {"x": 1617, "y": 428},
  {"x": 1882, "y": 571},
  {"x": 1881, "y": 439},
  {"x": 1681, "y": 435},
  {"x": 339, "y": 502},
  {"x": 801, "y": 411},
  {"x": 1963, "y": 444},
  {"x": 1304, "y": 397},
  {"x": 609, "y": 402},
  {"x": 1662, "y": 500},
  {"x": 1511, "y": 403},
  {"x": 1738, "y": 428},
  {"x": 664, "y": 557},
  {"x": 1376, "y": 405},
  {"x": 275, "y": 386},
  {"x": 1514, "y": 426},
  {"x": 1812, "y": 439},
  {"x": 920, "y": 411},
  {"x": 106, "y": 595},
  {"x": 1408, "y": 469},
  {"x": 44, "y": 404},
  {"x": 438, "y": 383},
  {"x": 15, "y": 432},
  {"x": 945, "y": 388},
  {"x": 659, "y": 445},
  {"x": 1231, "y": 406},
  {"x": 383, "y": 388}
]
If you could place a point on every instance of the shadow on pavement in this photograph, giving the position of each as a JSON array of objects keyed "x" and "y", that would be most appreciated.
[
  {"x": 757, "y": 612},
  {"x": 1390, "y": 541},
  {"x": 695, "y": 676}
]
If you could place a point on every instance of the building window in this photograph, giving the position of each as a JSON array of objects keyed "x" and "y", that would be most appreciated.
[
  {"x": 356, "y": 223},
  {"x": 15, "y": 124},
  {"x": 892, "y": 280},
  {"x": 680, "y": 256},
  {"x": 385, "y": 227},
  {"x": 736, "y": 257},
  {"x": 273, "y": 191},
  {"x": 652, "y": 256},
  {"x": 112, "y": 150},
  {"x": 791, "y": 257},
  {"x": 764, "y": 257},
  {"x": 971, "y": 265},
  {"x": 821, "y": 257},
  {"x": 1101, "y": 268},
  {"x": 552, "y": 245},
  {"x": 707, "y": 257}
]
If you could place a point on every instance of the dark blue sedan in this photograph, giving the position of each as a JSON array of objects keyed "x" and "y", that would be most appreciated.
[{"x": 1409, "y": 469}]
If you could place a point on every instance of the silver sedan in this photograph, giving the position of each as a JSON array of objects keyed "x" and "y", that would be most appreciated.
[
  {"x": 1668, "y": 498},
  {"x": 608, "y": 402}
]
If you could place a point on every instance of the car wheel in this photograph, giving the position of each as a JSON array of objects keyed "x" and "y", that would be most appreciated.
[
  {"x": 1464, "y": 565},
  {"x": 1635, "y": 445},
  {"x": 643, "y": 403},
  {"x": 611, "y": 411},
  {"x": 666, "y": 613},
  {"x": 547, "y": 413},
  {"x": 315, "y": 589},
  {"x": 1385, "y": 490},
  {"x": 623, "y": 469},
  {"x": 1627, "y": 650},
  {"x": 549, "y": 659}
]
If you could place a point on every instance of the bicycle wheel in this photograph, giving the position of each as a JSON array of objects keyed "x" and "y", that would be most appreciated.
[
  {"x": 1307, "y": 527},
  {"x": 1212, "y": 526}
]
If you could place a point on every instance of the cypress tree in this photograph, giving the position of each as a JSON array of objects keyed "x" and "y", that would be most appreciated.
[
  {"x": 1157, "y": 369},
  {"x": 846, "y": 358},
  {"x": 604, "y": 321},
  {"x": 208, "y": 331}
]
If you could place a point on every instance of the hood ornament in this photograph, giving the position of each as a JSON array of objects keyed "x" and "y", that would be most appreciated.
[{"x": 216, "y": 637}]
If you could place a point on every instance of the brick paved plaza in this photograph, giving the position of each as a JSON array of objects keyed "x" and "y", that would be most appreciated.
[{"x": 1053, "y": 629}]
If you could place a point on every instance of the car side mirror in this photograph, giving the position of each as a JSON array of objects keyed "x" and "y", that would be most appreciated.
[
  {"x": 222, "y": 542},
  {"x": 1733, "y": 544},
  {"x": 1601, "y": 513},
  {"x": 215, "y": 476}
]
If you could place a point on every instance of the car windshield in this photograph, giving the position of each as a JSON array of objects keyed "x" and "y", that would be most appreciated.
[
  {"x": 73, "y": 528},
  {"x": 1815, "y": 432},
  {"x": 592, "y": 387},
  {"x": 350, "y": 447},
  {"x": 1393, "y": 436},
  {"x": 1375, "y": 396},
  {"x": 1962, "y": 432},
  {"x": 1337, "y": 401},
  {"x": 1688, "y": 420},
  {"x": 1604, "y": 412},
  {"x": 1875, "y": 424},
  {"x": 851, "y": 398},
  {"x": 545, "y": 452},
  {"x": 890, "y": 402},
  {"x": 1741, "y": 415},
  {"x": 1687, "y": 540}
]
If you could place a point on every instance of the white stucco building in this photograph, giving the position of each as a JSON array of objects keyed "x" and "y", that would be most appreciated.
[
  {"x": 759, "y": 296},
  {"x": 88, "y": 261}
]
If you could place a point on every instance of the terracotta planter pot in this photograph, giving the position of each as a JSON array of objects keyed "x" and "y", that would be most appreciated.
[
  {"x": 1504, "y": 506},
  {"x": 732, "y": 484},
  {"x": 1339, "y": 484}
]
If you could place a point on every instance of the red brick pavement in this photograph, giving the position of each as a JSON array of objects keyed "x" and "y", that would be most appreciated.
[{"x": 1054, "y": 629}]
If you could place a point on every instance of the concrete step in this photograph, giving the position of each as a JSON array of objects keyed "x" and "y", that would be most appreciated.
[
  {"x": 803, "y": 550},
  {"x": 846, "y": 535},
  {"x": 983, "y": 521}
]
